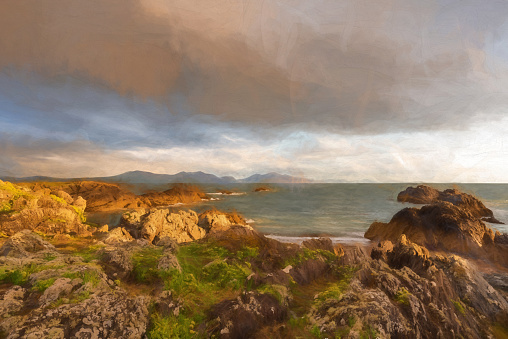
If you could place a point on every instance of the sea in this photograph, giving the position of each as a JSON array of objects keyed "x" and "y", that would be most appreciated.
[{"x": 342, "y": 211}]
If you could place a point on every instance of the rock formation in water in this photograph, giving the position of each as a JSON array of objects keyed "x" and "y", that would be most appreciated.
[
  {"x": 423, "y": 194},
  {"x": 443, "y": 225}
]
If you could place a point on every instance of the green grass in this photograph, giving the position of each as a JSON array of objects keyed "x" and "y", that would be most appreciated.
[
  {"x": 89, "y": 253},
  {"x": 145, "y": 264},
  {"x": 49, "y": 257},
  {"x": 171, "y": 327},
  {"x": 275, "y": 290},
  {"x": 42, "y": 285},
  {"x": 21, "y": 275},
  {"x": 88, "y": 276},
  {"x": 402, "y": 296},
  {"x": 247, "y": 253},
  {"x": 459, "y": 307},
  {"x": 75, "y": 299},
  {"x": 368, "y": 332},
  {"x": 306, "y": 254}
]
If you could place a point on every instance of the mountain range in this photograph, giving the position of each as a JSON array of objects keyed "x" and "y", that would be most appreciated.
[{"x": 142, "y": 177}]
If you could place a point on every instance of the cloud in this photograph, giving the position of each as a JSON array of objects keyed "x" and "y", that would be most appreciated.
[{"x": 357, "y": 66}]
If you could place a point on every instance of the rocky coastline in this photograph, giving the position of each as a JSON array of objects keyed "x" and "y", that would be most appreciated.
[{"x": 434, "y": 271}]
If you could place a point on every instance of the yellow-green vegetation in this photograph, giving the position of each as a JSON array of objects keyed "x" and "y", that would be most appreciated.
[
  {"x": 335, "y": 289},
  {"x": 74, "y": 299},
  {"x": 210, "y": 273},
  {"x": 42, "y": 285},
  {"x": 278, "y": 291},
  {"x": 368, "y": 332},
  {"x": 459, "y": 307},
  {"x": 5, "y": 207},
  {"x": 402, "y": 296},
  {"x": 172, "y": 327},
  {"x": 145, "y": 264},
  {"x": 21, "y": 275},
  {"x": 80, "y": 213},
  {"x": 15, "y": 192},
  {"x": 307, "y": 254},
  {"x": 58, "y": 199},
  {"x": 91, "y": 276},
  {"x": 88, "y": 253}
]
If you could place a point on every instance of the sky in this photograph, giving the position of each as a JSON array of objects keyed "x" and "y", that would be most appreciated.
[{"x": 353, "y": 90}]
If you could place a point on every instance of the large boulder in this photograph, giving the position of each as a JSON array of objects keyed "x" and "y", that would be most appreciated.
[
  {"x": 103, "y": 315},
  {"x": 423, "y": 194},
  {"x": 41, "y": 211},
  {"x": 25, "y": 244},
  {"x": 244, "y": 316},
  {"x": 154, "y": 224},
  {"x": 442, "y": 226}
]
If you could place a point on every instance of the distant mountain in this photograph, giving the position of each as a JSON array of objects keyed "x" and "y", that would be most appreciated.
[{"x": 141, "y": 177}]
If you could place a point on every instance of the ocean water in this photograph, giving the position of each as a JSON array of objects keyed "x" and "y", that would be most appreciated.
[{"x": 341, "y": 211}]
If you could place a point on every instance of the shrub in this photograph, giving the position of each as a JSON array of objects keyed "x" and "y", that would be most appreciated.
[
  {"x": 402, "y": 296},
  {"x": 42, "y": 285}
]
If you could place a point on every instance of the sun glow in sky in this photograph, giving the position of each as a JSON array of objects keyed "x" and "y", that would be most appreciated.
[{"x": 357, "y": 91}]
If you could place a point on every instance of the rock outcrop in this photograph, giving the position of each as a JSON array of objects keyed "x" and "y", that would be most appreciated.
[
  {"x": 101, "y": 196},
  {"x": 441, "y": 226},
  {"x": 423, "y": 194},
  {"x": 43, "y": 210},
  {"x": 181, "y": 226}
]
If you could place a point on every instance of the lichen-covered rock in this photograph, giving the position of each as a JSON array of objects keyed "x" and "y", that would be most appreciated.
[
  {"x": 168, "y": 262},
  {"x": 118, "y": 235},
  {"x": 61, "y": 287},
  {"x": 103, "y": 315},
  {"x": 117, "y": 262},
  {"x": 169, "y": 244},
  {"x": 244, "y": 316},
  {"x": 25, "y": 244},
  {"x": 12, "y": 300}
]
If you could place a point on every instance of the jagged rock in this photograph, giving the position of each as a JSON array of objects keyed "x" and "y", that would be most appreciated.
[
  {"x": 25, "y": 244},
  {"x": 169, "y": 262},
  {"x": 309, "y": 270},
  {"x": 169, "y": 244},
  {"x": 12, "y": 300},
  {"x": 353, "y": 255},
  {"x": 165, "y": 304},
  {"x": 154, "y": 224},
  {"x": 103, "y": 315},
  {"x": 380, "y": 252},
  {"x": 441, "y": 226},
  {"x": 65, "y": 196},
  {"x": 117, "y": 262},
  {"x": 244, "y": 316},
  {"x": 118, "y": 235},
  {"x": 497, "y": 280},
  {"x": 319, "y": 244},
  {"x": 218, "y": 221},
  {"x": 61, "y": 287},
  {"x": 409, "y": 254},
  {"x": 427, "y": 195}
]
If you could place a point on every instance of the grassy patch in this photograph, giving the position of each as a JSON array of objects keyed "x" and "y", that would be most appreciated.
[
  {"x": 58, "y": 199},
  {"x": 75, "y": 299},
  {"x": 368, "y": 332},
  {"x": 49, "y": 257},
  {"x": 171, "y": 327},
  {"x": 21, "y": 275},
  {"x": 145, "y": 264},
  {"x": 402, "y": 296},
  {"x": 88, "y": 253},
  {"x": 88, "y": 276},
  {"x": 459, "y": 307},
  {"x": 42, "y": 285},
  {"x": 209, "y": 273},
  {"x": 5, "y": 207},
  {"x": 247, "y": 253},
  {"x": 306, "y": 254}
]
